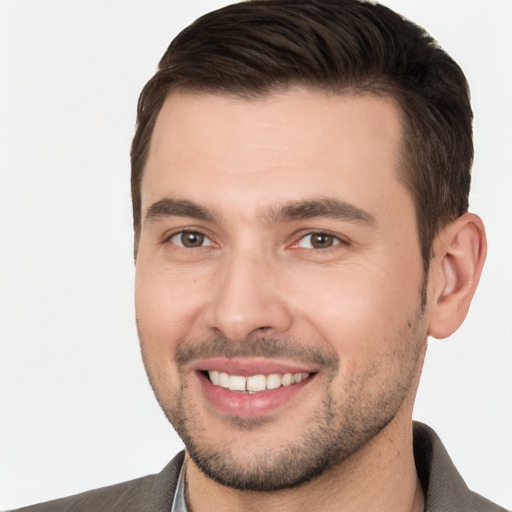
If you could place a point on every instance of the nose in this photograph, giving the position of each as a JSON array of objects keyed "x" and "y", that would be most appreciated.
[{"x": 247, "y": 299}]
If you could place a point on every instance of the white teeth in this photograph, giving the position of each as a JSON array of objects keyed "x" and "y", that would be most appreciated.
[
  {"x": 237, "y": 383},
  {"x": 223, "y": 379},
  {"x": 273, "y": 381},
  {"x": 255, "y": 383},
  {"x": 219, "y": 378},
  {"x": 286, "y": 379},
  {"x": 214, "y": 377}
]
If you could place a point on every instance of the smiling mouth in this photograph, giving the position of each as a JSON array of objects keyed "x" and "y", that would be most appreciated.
[{"x": 254, "y": 383}]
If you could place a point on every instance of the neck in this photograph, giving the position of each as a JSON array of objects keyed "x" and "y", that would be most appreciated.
[{"x": 381, "y": 476}]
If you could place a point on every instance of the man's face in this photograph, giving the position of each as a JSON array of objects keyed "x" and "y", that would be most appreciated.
[{"x": 279, "y": 257}]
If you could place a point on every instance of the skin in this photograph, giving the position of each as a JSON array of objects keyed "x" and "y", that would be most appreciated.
[{"x": 254, "y": 276}]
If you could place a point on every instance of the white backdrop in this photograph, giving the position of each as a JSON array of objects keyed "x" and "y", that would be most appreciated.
[{"x": 76, "y": 410}]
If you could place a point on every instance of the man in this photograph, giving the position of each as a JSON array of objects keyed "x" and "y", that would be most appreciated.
[{"x": 300, "y": 180}]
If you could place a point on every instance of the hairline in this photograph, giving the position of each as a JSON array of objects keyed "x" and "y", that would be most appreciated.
[{"x": 378, "y": 87}]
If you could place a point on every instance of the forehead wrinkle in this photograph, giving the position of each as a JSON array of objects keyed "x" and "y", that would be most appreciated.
[{"x": 328, "y": 208}]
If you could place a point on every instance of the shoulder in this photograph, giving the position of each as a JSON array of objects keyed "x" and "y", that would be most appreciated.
[
  {"x": 153, "y": 493},
  {"x": 443, "y": 486},
  {"x": 481, "y": 504}
]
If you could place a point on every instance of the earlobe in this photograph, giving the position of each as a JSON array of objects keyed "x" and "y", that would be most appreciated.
[{"x": 455, "y": 270}]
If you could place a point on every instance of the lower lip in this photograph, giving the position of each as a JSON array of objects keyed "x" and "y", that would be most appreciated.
[{"x": 245, "y": 405}]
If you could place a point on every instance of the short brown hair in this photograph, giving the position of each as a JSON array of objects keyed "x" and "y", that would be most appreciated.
[{"x": 254, "y": 48}]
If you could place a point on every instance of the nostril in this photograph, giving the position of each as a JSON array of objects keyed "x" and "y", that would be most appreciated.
[{"x": 263, "y": 329}]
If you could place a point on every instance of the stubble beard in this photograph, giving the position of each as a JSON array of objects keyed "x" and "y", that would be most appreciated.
[{"x": 336, "y": 428}]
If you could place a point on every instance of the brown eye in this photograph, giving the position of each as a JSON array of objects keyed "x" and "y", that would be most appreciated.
[
  {"x": 321, "y": 241},
  {"x": 190, "y": 239},
  {"x": 318, "y": 241}
]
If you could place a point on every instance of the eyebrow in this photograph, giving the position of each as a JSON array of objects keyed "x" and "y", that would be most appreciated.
[
  {"x": 327, "y": 208},
  {"x": 170, "y": 207}
]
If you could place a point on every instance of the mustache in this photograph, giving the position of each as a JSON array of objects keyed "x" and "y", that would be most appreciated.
[{"x": 266, "y": 347}]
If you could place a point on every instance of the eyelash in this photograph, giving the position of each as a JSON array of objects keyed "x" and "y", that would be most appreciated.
[
  {"x": 335, "y": 240},
  {"x": 185, "y": 232}
]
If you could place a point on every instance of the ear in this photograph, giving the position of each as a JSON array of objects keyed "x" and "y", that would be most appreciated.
[{"x": 459, "y": 255}]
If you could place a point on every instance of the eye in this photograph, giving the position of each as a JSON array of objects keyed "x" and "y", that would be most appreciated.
[
  {"x": 190, "y": 239},
  {"x": 318, "y": 241}
]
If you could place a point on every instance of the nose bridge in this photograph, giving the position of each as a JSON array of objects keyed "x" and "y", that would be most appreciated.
[{"x": 247, "y": 298}]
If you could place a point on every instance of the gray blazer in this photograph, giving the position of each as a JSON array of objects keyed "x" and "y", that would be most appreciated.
[{"x": 444, "y": 488}]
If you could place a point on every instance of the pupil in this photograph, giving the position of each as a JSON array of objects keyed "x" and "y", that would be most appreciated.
[
  {"x": 321, "y": 241},
  {"x": 192, "y": 239}
]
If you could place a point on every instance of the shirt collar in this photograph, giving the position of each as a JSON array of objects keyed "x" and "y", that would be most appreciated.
[{"x": 178, "y": 503}]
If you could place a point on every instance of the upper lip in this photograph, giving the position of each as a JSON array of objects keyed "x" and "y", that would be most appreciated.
[{"x": 250, "y": 366}]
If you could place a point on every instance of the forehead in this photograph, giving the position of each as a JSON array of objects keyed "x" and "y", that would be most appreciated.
[{"x": 294, "y": 142}]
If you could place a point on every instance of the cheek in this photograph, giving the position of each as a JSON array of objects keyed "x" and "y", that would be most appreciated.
[
  {"x": 164, "y": 305},
  {"x": 360, "y": 307},
  {"x": 160, "y": 313}
]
